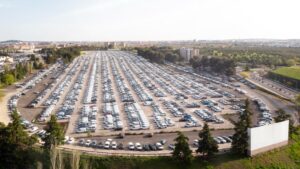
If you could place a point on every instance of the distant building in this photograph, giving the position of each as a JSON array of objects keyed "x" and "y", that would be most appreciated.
[
  {"x": 188, "y": 53},
  {"x": 6, "y": 59},
  {"x": 122, "y": 45},
  {"x": 22, "y": 46}
]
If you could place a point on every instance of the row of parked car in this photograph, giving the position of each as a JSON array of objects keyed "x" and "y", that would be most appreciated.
[
  {"x": 265, "y": 116},
  {"x": 144, "y": 76},
  {"x": 121, "y": 85},
  {"x": 56, "y": 95},
  {"x": 217, "y": 139},
  {"x": 137, "y": 146},
  {"x": 111, "y": 117},
  {"x": 87, "y": 120},
  {"x": 113, "y": 145},
  {"x": 136, "y": 117},
  {"x": 208, "y": 116},
  {"x": 61, "y": 87},
  {"x": 142, "y": 94},
  {"x": 181, "y": 83},
  {"x": 90, "y": 96},
  {"x": 37, "y": 78},
  {"x": 40, "y": 96},
  {"x": 107, "y": 91},
  {"x": 160, "y": 118},
  {"x": 67, "y": 108}
]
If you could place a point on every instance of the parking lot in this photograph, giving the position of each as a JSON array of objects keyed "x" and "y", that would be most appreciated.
[{"x": 112, "y": 94}]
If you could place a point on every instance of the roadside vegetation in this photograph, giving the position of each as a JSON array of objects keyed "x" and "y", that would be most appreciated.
[
  {"x": 214, "y": 64},
  {"x": 51, "y": 55},
  {"x": 160, "y": 54},
  {"x": 256, "y": 56},
  {"x": 9, "y": 76}
]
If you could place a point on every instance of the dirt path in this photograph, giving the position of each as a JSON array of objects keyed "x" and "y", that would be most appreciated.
[{"x": 4, "y": 114}]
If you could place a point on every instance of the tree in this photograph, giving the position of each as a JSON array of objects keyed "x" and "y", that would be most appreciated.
[
  {"x": 16, "y": 146},
  {"x": 247, "y": 68},
  {"x": 54, "y": 134},
  {"x": 297, "y": 102},
  {"x": 240, "y": 137},
  {"x": 291, "y": 62},
  {"x": 172, "y": 57},
  {"x": 9, "y": 79},
  {"x": 282, "y": 116},
  {"x": 182, "y": 151},
  {"x": 207, "y": 145}
]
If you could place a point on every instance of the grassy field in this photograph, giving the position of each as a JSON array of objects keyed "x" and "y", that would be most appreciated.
[
  {"x": 245, "y": 74},
  {"x": 291, "y": 72}
]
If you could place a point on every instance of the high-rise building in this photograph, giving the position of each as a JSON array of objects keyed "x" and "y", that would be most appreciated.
[{"x": 188, "y": 53}]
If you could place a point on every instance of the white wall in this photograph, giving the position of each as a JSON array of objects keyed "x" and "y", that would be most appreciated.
[{"x": 261, "y": 137}]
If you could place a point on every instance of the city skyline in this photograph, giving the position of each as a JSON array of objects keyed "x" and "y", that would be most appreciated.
[{"x": 132, "y": 20}]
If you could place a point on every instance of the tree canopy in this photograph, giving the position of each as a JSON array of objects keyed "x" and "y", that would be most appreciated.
[
  {"x": 54, "y": 134},
  {"x": 159, "y": 54},
  {"x": 282, "y": 116},
  {"x": 240, "y": 137},
  {"x": 182, "y": 151},
  {"x": 15, "y": 145},
  {"x": 215, "y": 64},
  {"x": 207, "y": 146},
  {"x": 66, "y": 54}
]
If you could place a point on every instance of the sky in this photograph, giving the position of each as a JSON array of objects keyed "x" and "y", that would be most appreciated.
[{"x": 143, "y": 20}]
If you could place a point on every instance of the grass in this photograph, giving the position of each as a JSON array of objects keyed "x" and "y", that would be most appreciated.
[
  {"x": 245, "y": 74},
  {"x": 291, "y": 72}
]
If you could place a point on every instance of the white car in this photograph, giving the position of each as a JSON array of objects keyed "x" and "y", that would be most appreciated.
[
  {"x": 106, "y": 145},
  {"x": 130, "y": 146},
  {"x": 138, "y": 146},
  {"x": 71, "y": 140},
  {"x": 114, "y": 145},
  {"x": 196, "y": 143},
  {"x": 33, "y": 129},
  {"x": 159, "y": 146},
  {"x": 88, "y": 142}
]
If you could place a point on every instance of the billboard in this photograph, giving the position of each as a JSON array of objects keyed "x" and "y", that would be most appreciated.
[{"x": 268, "y": 137}]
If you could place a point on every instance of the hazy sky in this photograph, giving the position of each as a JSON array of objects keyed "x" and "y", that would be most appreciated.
[{"x": 103, "y": 20}]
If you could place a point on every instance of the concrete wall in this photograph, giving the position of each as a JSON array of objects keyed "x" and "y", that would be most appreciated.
[{"x": 268, "y": 137}]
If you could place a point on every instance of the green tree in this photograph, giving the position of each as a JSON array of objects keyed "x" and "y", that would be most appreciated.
[
  {"x": 182, "y": 151},
  {"x": 247, "y": 68},
  {"x": 16, "y": 146},
  {"x": 282, "y": 116},
  {"x": 9, "y": 79},
  {"x": 297, "y": 102},
  {"x": 240, "y": 137},
  {"x": 207, "y": 145},
  {"x": 291, "y": 62},
  {"x": 54, "y": 134}
]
